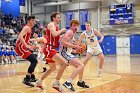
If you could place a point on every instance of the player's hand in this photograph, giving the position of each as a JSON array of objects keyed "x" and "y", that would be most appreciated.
[
  {"x": 63, "y": 30},
  {"x": 100, "y": 41},
  {"x": 77, "y": 47},
  {"x": 31, "y": 47},
  {"x": 32, "y": 40}
]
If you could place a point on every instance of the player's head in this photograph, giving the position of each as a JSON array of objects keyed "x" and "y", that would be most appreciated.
[
  {"x": 74, "y": 24},
  {"x": 88, "y": 25},
  {"x": 31, "y": 20},
  {"x": 35, "y": 35},
  {"x": 55, "y": 17}
]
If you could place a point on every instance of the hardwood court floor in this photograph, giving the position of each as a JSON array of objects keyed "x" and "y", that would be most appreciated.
[{"x": 121, "y": 74}]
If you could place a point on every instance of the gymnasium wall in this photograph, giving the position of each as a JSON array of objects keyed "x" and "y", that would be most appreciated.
[{"x": 109, "y": 44}]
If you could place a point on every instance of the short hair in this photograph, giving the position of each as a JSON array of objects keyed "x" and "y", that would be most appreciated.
[
  {"x": 88, "y": 22},
  {"x": 30, "y": 17},
  {"x": 36, "y": 32},
  {"x": 53, "y": 15},
  {"x": 74, "y": 21}
]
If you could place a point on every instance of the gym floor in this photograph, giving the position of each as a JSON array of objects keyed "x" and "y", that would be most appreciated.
[{"x": 121, "y": 74}]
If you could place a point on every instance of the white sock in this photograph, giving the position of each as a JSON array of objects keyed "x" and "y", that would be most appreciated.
[
  {"x": 99, "y": 69},
  {"x": 56, "y": 81},
  {"x": 69, "y": 80},
  {"x": 80, "y": 81}
]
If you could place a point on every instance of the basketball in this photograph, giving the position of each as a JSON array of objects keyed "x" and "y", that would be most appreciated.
[{"x": 83, "y": 48}]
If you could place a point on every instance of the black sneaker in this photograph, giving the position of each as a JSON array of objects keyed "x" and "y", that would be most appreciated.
[
  {"x": 27, "y": 82},
  {"x": 69, "y": 86},
  {"x": 82, "y": 84},
  {"x": 33, "y": 79}
]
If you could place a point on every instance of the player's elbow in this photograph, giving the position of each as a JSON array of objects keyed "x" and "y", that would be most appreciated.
[
  {"x": 102, "y": 36},
  {"x": 63, "y": 43},
  {"x": 20, "y": 36}
]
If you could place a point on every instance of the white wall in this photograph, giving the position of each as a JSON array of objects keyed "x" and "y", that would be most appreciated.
[
  {"x": 91, "y": 7},
  {"x": 23, "y": 9},
  {"x": 123, "y": 45}
]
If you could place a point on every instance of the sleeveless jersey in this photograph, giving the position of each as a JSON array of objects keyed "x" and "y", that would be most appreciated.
[
  {"x": 52, "y": 41},
  {"x": 91, "y": 38},
  {"x": 67, "y": 49},
  {"x": 26, "y": 38}
]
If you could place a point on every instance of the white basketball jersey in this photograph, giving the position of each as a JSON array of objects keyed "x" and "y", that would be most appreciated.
[
  {"x": 68, "y": 50},
  {"x": 91, "y": 38}
]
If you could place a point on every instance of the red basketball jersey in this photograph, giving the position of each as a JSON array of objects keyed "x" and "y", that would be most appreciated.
[
  {"x": 26, "y": 38},
  {"x": 52, "y": 41}
]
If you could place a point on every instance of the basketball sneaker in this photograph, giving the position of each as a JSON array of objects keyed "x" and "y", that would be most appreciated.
[
  {"x": 33, "y": 79},
  {"x": 82, "y": 84},
  {"x": 99, "y": 72},
  {"x": 69, "y": 86},
  {"x": 39, "y": 84},
  {"x": 27, "y": 82},
  {"x": 57, "y": 86}
]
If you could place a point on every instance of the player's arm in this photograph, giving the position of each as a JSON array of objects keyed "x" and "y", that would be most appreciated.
[
  {"x": 24, "y": 31},
  {"x": 53, "y": 31},
  {"x": 74, "y": 51},
  {"x": 81, "y": 38},
  {"x": 66, "y": 38},
  {"x": 29, "y": 43},
  {"x": 99, "y": 34},
  {"x": 42, "y": 39}
]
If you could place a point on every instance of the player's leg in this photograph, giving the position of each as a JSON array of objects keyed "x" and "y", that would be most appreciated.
[
  {"x": 101, "y": 63},
  {"x": 81, "y": 83},
  {"x": 79, "y": 67},
  {"x": 46, "y": 73},
  {"x": 30, "y": 77},
  {"x": 63, "y": 64}
]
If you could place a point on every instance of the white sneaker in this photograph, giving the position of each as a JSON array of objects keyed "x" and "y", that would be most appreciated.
[
  {"x": 6, "y": 61},
  {"x": 2, "y": 62},
  {"x": 99, "y": 72},
  {"x": 14, "y": 62},
  {"x": 39, "y": 84},
  {"x": 58, "y": 87}
]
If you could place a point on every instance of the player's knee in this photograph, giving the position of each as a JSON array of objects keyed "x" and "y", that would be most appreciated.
[
  {"x": 32, "y": 59},
  {"x": 87, "y": 58},
  {"x": 65, "y": 64},
  {"x": 102, "y": 58},
  {"x": 52, "y": 69},
  {"x": 82, "y": 65}
]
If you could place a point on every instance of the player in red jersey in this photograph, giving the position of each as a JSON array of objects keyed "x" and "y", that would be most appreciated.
[
  {"x": 51, "y": 53},
  {"x": 23, "y": 48}
]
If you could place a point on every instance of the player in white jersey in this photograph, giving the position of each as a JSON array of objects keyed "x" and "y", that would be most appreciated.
[
  {"x": 67, "y": 45},
  {"x": 40, "y": 54},
  {"x": 93, "y": 48}
]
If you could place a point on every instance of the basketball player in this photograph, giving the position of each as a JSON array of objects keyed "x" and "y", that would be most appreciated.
[
  {"x": 40, "y": 54},
  {"x": 23, "y": 48},
  {"x": 67, "y": 44},
  {"x": 50, "y": 45},
  {"x": 93, "y": 48},
  {"x": 13, "y": 55}
]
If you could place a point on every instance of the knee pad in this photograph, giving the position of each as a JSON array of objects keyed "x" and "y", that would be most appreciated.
[{"x": 32, "y": 58}]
